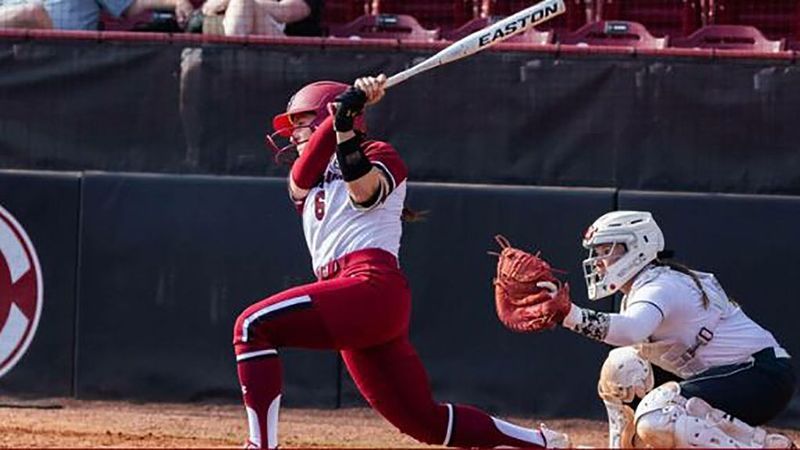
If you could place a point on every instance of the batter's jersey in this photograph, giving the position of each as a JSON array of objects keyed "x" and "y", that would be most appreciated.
[
  {"x": 735, "y": 335},
  {"x": 334, "y": 226}
]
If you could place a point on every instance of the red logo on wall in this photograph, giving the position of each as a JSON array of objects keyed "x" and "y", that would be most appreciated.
[{"x": 20, "y": 291}]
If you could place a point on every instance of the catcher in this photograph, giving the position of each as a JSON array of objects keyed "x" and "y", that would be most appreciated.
[{"x": 724, "y": 375}]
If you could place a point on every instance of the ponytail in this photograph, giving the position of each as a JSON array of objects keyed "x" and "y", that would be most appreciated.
[{"x": 678, "y": 267}]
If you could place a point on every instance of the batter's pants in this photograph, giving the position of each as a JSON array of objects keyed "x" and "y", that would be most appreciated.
[{"x": 362, "y": 309}]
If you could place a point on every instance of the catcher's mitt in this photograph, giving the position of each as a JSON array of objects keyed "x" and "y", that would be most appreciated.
[{"x": 528, "y": 297}]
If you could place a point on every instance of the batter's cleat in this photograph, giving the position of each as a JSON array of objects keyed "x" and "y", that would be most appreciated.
[
  {"x": 554, "y": 439},
  {"x": 250, "y": 444}
]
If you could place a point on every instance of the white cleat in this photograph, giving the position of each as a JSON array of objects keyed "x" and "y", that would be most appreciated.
[
  {"x": 777, "y": 440},
  {"x": 554, "y": 439}
]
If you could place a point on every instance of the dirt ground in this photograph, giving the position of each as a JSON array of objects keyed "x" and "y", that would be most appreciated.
[{"x": 78, "y": 423}]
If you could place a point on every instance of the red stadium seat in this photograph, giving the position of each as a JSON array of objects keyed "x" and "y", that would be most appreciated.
[
  {"x": 614, "y": 32},
  {"x": 442, "y": 14},
  {"x": 738, "y": 37},
  {"x": 531, "y": 36},
  {"x": 775, "y": 18},
  {"x": 661, "y": 17},
  {"x": 575, "y": 17},
  {"x": 385, "y": 26},
  {"x": 343, "y": 11}
]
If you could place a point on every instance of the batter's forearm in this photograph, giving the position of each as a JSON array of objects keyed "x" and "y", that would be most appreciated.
[{"x": 309, "y": 168}]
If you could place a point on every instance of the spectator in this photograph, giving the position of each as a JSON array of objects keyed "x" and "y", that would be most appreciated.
[
  {"x": 266, "y": 17},
  {"x": 85, "y": 14},
  {"x": 22, "y": 14}
]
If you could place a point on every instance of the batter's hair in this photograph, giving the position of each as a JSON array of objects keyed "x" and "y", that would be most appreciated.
[
  {"x": 410, "y": 215},
  {"x": 664, "y": 259}
]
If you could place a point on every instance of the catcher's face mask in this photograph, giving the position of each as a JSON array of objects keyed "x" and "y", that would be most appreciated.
[
  {"x": 620, "y": 244},
  {"x": 598, "y": 265}
]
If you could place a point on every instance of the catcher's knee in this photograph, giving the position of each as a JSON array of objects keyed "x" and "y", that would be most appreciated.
[
  {"x": 624, "y": 375},
  {"x": 666, "y": 419}
]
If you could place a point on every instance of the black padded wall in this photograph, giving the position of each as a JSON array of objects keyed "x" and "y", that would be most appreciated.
[
  {"x": 167, "y": 264},
  {"x": 46, "y": 205}
]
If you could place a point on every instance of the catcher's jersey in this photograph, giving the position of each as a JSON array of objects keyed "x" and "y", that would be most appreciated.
[
  {"x": 334, "y": 226},
  {"x": 735, "y": 335}
]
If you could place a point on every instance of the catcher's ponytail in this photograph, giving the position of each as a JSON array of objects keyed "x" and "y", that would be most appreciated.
[{"x": 678, "y": 267}]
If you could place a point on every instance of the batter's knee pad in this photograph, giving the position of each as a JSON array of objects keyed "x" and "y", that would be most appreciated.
[
  {"x": 624, "y": 375},
  {"x": 666, "y": 419}
]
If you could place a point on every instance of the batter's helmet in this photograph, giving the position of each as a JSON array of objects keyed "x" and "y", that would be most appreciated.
[{"x": 313, "y": 98}]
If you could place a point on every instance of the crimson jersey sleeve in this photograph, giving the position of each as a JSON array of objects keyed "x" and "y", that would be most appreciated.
[{"x": 383, "y": 156}]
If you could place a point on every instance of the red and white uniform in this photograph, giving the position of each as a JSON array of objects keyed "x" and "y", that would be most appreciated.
[
  {"x": 361, "y": 306},
  {"x": 334, "y": 226}
]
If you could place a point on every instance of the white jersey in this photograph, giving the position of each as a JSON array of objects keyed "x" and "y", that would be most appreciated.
[
  {"x": 676, "y": 296},
  {"x": 334, "y": 226}
]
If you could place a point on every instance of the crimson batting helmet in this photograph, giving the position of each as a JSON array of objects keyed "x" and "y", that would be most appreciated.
[{"x": 312, "y": 98}]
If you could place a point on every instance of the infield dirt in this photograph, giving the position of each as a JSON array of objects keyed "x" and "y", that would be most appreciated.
[{"x": 79, "y": 423}]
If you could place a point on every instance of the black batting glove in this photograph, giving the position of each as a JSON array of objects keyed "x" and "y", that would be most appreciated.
[{"x": 351, "y": 104}]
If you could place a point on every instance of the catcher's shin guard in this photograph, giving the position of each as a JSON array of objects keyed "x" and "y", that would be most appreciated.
[
  {"x": 666, "y": 419},
  {"x": 624, "y": 375}
]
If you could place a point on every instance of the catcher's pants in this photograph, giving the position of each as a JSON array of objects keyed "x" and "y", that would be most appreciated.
[
  {"x": 754, "y": 391},
  {"x": 361, "y": 309}
]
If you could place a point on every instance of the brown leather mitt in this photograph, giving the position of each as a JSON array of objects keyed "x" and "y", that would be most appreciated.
[{"x": 528, "y": 296}]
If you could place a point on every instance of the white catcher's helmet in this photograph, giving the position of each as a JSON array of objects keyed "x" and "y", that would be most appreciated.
[{"x": 642, "y": 238}]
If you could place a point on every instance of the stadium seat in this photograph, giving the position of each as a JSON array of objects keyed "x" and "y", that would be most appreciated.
[
  {"x": 442, "y": 14},
  {"x": 614, "y": 32},
  {"x": 575, "y": 17},
  {"x": 531, "y": 36},
  {"x": 661, "y": 17},
  {"x": 776, "y": 19},
  {"x": 343, "y": 11},
  {"x": 738, "y": 37},
  {"x": 385, "y": 26}
]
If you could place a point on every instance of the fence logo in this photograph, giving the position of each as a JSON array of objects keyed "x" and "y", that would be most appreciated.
[{"x": 20, "y": 291}]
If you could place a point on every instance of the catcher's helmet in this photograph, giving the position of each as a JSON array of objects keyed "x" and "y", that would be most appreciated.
[
  {"x": 642, "y": 238},
  {"x": 312, "y": 98}
]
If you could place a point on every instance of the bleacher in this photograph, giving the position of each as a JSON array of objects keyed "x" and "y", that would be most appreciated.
[
  {"x": 767, "y": 26},
  {"x": 763, "y": 26}
]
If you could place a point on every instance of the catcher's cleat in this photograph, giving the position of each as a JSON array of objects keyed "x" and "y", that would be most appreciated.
[
  {"x": 777, "y": 440},
  {"x": 554, "y": 439}
]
